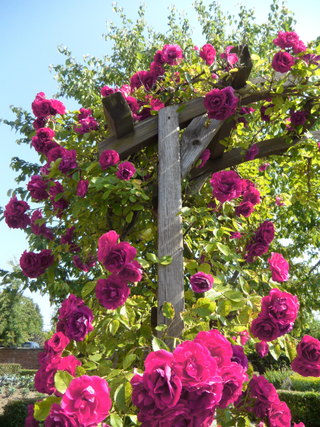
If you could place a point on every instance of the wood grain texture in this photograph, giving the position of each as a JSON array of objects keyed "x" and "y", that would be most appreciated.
[
  {"x": 170, "y": 236},
  {"x": 194, "y": 140},
  {"x": 118, "y": 115}
]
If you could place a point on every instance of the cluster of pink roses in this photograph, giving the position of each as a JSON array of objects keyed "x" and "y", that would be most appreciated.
[
  {"x": 34, "y": 265},
  {"x": 261, "y": 241},
  {"x": 262, "y": 399},
  {"x": 221, "y": 103},
  {"x": 110, "y": 158},
  {"x": 186, "y": 387},
  {"x": 15, "y": 213},
  {"x": 307, "y": 362},
  {"x": 278, "y": 313},
  {"x": 201, "y": 282},
  {"x": 118, "y": 258},
  {"x": 283, "y": 61},
  {"x": 86, "y": 122}
]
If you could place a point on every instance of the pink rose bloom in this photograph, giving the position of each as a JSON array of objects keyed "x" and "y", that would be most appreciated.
[
  {"x": 58, "y": 342},
  {"x": 265, "y": 117},
  {"x": 84, "y": 113},
  {"x": 41, "y": 107},
  {"x": 82, "y": 188},
  {"x": 57, "y": 417},
  {"x": 126, "y": 171},
  {"x": 265, "y": 328},
  {"x": 60, "y": 205},
  {"x": 40, "y": 229},
  {"x": 55, "y": 154},
  {"x": 309, "y": 349},
  {"x": 252, "y": 195},
  {"x": 15, "y": 215},
  {"x": 89, "y": 262},
  {"x": 112, "y": 255},
  {"x": 221, "y": 104},
  {"x": 233, "y": 377},
  {"x": 66, "y": 239},
  {"x": 112, "y": 292},
  {"x": 304, "y": 368},
  {"x": 254, "y": 250},
  {"x": 201, "y": 282},
  {"x": 30, "y": 420},
  {"x": 205, "y": 156},
  {"x": 278, "y": 201},
  {"x": 298, "y": 425},
  {"x": 263, "y": 167},
  {"x": 125, "y": 90},
  {"x": 286, "y": 39},
  {"x": 68, "y": 161},
  {"x": 279, "y": 267},
  {"x": 208, "y": 54},
  {"x": 148, "y": 79},
  {"x": 134, "y": 107},
  {"x": 245, "y": 209},
  {"x": 43, "y": 141},
  {"x": 80, "y": 323},
  {"x": 87, "y": 399},
  {"x": 265, "y": 393},
  {"x": 195, "y": 47},
  {"x": 251, "y": 153},
  {"x": 132, "y": 272},
  {"x": 226, "y": 186},
  {"x": 156, "y": 69},
  {"x": 219, "y": 347},
  {"x": 244, "y": 337},
  {"x": 194, "y": 365},
  {"x": 57, "y": 107},
  {"x": 280, "y": 306},
  {"x": 38, "y": 188},
  {"x": 156, "y": 104},
  {"x": 68, "y": 306},
  {"x": 106, "y": 91},
  {"x": 235, "y": 235},
  {"x": 34, "y": 265},
  {"x": 282, "y": 62},
  {"x": 279, "y": 415},
  {"x": 231, "y": 58},
  {"x": 39, "y": 123},
  {"x": 265, "y": 233},
  {"x": 299, "y": 47},
  {"x": 262, "y": 348},
  {"x": 108, "y": 158},
  {"x": 298, "y": 117},
  {"x": 135, "y": 81},
  {"x": 171, "y": 53}
]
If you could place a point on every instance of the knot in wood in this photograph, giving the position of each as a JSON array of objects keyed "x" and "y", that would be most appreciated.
[{"x": 196, "y": 142}]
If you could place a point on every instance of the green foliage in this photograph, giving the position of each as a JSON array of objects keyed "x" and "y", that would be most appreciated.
[
  {"x": 15, "y": 413},
  {"x": 24, "y": 372},
  {"x": 300, "y": 383},
  {"x": 277, "y": 378},
  {"x": 10, "y": 368},
  {"x": 304, "y": 406}
]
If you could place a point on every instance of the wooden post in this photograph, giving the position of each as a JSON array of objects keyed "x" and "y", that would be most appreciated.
[{"x": 170, "y": 236}]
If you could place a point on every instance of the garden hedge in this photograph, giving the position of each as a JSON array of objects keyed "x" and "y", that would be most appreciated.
[
  {"x": 304, "y": 406},
  {"x": 16, "y": 412},
  {"x": 9, "y": 368}
]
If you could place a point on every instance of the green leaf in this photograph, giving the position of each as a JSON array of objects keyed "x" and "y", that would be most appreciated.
[
  {"x": 137, "y": 207},
  {"x": 275, "y": 350},
  {"x": 144, "y": 263},
  {"x": 146, "y": 331},
  {"x": 236, "y": 296},
  {"x": 166, "y": 260},
  {"x": 192, "y": 265},
  {"x": 181, "y": 108},
  {"x": 89, "y": 366},
  {"x": 157, "y": 344},
  {"x": 95, "y": 357},
  {"x": 161, "y": 328},
  {"x": 115, "y": 420},
  {"x": 254, "y": 57},
  {"x": 42, "y": 409},
  {"x": 114, "y": 326},
  {"x": 146, "y": 235},
  {"x": 290, "y": 349},
  {"x": 224, "y": 249},
  {"x": 120, "y": 398},
  {"x": 76, "y": 176},
  {"x": 88, "y": 287},
  {"x": 153, "y": 258},
  {"x": 129, "y": 359},
  {"x": 224, "y": 307},
  {"x": 205, "y": 268},
  {"x": 168, "y": 310},
  {"x": 62, "y": 379},
  {"x": 129, "y": 217}
]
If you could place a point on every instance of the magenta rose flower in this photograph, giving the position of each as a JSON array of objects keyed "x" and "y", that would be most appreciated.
[
  {"x": 131, "y": 272},
  {"x": 245, "y": 209},
  {"x": 84, "y": 113},
  {"x": 34, "y": 265},
  {"x": 309, "y": 349},
  {"x": 43, "y": 141},
  {"x": 265, "y": 233},
  {"x": 235, "y": 235},
  {"x": 238, "y": 356},
  {"x": 262, "y": 348},
  {"x": 112, "y": 292},
  {"x": 263, "y": 167},
  {"x": 133, "y": 104},
  {"x": 298, "y": 117},
  {"x": 279, "y": 267},
  {"x": 205, "y": 156},
  {"x": 282, "y": 62},
  {"x": 305, "y": 368},
  {"x": 252, "y": 195},
  {"x": 171, "y": 53},
  {"x": 69, "y": 305},
  {"x": 15, "y": 215},
  {"x": 41, "y": 107},
  {"x": 203, "y": 400},
  {"x": 194, "y": 365},
  {"x": 58, "y": 342},
  {"x": 30, "y": 420},
  {"x": 231, "y": 58},
  {"x": 265, "y": 328},
  {"x": 265, "y": 393},
  {"x": 87, "y": 399},
  {"x": 220, "y": 104},
  {"x": 254, "y": 250},
  {"x": 126, "y": 171},
  {"x": 265, "y": 117},
  {"x": 135, "y": 81},
  {"x": 89, "y": 262},
  {"x": 58, "y": 418},
  {"x": 39, "y": 123},
  {"x": 233, "y": 377},
  {"x": 106, "y": 91},
  {"x": 55, "y": 154},
  {"x": 68, "y": 161},
  {"x": 148, "y": 79},
  {"x": 219, "y": 347},
  {"x": 208, "y": 54},
  {"x": 251, "y": 153},
  {"x": 82, "y": 188},
  {"x": 286, "y": 39},
  {"x": 279, "y": 415},
  {"x": 80, "y": 323},
  {"x": 61, "y": 204},
  {"x": 112, "y": 255},
  {"x": 226, "y": 186},
  {"x": 281, "y": 306},
  {"x": 156, "y": 104},
  {"x": 201, "y": 282},
  {"x": 40, "y": 229},
  {"x": 38, "y": 188},
  {"x": 178, "y": 416},
  {"x": 156, "y": 69},
  {"x": 160, "y": 379},
  {"x": 299, "y": 47},
  {"x": 108, "y": 158},
  {"x": 141, "y": 397},
  {"x": 67, "y": 239}
]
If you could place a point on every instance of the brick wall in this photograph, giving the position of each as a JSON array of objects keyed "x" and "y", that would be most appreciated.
[{"x": 26, "y": 357}]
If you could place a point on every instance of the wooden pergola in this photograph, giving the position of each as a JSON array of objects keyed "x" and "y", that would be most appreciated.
[{"x": 176, "y": 160}]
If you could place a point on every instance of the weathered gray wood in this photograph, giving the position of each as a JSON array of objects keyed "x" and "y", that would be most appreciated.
[
  {"x": 118, "y": 115},
  {"x": 269, "y": 147},
  {"x": 195, "y": 140},
  {"x": 170, "y": 236}
]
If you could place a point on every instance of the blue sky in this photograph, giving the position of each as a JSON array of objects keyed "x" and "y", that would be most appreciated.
[{"x": 30, "y": 33}]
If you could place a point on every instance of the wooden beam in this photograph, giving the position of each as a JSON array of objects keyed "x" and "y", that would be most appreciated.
[
  {"x": 170, "y": 235},
  {"x": 118, "y": 115},
  {"x": 195, "y": 140}
]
